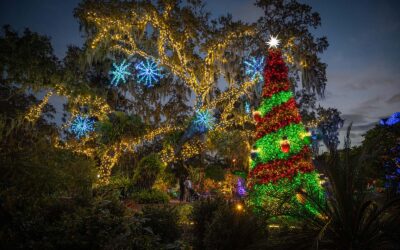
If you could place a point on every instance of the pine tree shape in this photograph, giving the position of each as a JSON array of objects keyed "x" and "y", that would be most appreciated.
[{"x": 281, "y": 170}]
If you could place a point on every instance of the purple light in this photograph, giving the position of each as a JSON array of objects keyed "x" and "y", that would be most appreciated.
[{"x": 241, "y": 190}]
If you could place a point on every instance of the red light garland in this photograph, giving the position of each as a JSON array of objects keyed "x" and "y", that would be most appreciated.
[
  {"x": 277, "y": 118},
  {"x": 277, "y": 169}
]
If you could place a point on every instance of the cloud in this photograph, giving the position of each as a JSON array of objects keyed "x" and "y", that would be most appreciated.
[
  {"x": 394, "y": 99},
  {"x": 364, "y": 127},
  {"x": 355, "y": 118},
  {"x": 368, "y": 105}
]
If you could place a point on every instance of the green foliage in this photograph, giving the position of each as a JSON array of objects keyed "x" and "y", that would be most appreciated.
[
  {"x": 120, "y": 125},
  {"x": 202, "y": 216},
  {"x": 185, "y": 212},
  {"x": 377, "y": 145},
  {"x": 152, "y": 196},
  {"x": 27, "y": 59},
  {"x": 217, "y": 225},
  {"x": 230, "y": 144},
  {"x": 232, "y": 229},
  {"x": 163, "y": 221},
  {"x": 215, "y": 173},
  {"x": 73, "y": 224},
  {"x": 147, "y": 170}
]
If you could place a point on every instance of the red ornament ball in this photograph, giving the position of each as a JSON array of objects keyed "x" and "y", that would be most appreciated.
[{"x": 285, "y": 146}]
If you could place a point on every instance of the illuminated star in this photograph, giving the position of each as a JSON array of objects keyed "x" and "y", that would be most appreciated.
[
  {"x": 81, "y": 126},
  {"x": 273, "y": 42},
  {"x": 119, "y": 73},
  {"x": 204, "y": 121},
  {"x": 254, "y": 68},
  {"x": 148, "y": 73}
]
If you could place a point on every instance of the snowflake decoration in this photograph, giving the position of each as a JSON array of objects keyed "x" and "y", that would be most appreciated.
[
  {"x": 148, "y": 73},
  {"x": 81, "y": 126},
  {"x": 254, "y": 68},
  {"x": 204, "y": 121},
  {"x": 247, "y": 107},
  {"x": 119, "y": 73}
]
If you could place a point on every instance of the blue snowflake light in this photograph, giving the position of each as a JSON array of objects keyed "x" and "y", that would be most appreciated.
[
  {"x": 119, "y": 73},
  {"x": 392, "y": 120},
  {"x": 148, "y": 73},
  {"x": 247, "y": 107},
  {"x": 81, "y": 126},
  {"x": 204, "y": 121},
  {"x": 254, "y": 68}
]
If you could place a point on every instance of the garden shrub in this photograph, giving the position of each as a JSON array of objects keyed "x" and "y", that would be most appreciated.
[
  {"x": 202, "y": 216},
  {"x": 73, "y": 224},
  {"x": 152, "y": 196},
  {"x": 185, "y": 213},
  {"x": 217, "y": 225},
  {"x": 215, "y": 173},
  {"x": 163, "y": 221},
  {"x": 232, "y": 229},
  {"x": 146, "y": 172}
]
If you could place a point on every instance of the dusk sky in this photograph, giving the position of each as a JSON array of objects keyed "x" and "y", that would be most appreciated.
[{"x": 363, "y": 57}]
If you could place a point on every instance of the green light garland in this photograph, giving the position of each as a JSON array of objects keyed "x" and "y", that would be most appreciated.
[
  {"x": 269, "y": 149},
  {"x": 271, "y": 195},
  {"x": 275, "y": 100}
]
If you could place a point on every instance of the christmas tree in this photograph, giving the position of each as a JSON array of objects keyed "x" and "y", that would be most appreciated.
[{"x": 281, "y": 170}]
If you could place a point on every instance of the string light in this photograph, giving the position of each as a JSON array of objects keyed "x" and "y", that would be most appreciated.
[{"x": 35, "y": 112}]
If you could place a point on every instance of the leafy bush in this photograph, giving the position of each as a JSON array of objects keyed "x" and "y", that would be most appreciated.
[
  {"x": 232, "y": 229},
  {"x": 73, "y": 224},
  {"x": 215, "y": 173},
  {"x": 147, "y": 170},
  {"x": 202, "y": 216},
  {"x": 217, "y": 225},
  {"x": 152, "y": 196},
  {"x": 163, "y": 221},
  {"x": 185, "y": 212}
]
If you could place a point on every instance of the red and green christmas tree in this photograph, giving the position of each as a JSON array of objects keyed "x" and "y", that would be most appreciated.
[{"x": 281, "y": 170}]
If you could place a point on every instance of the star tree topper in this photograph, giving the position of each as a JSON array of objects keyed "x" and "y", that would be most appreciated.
[{"x": 273, "y": 42}]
